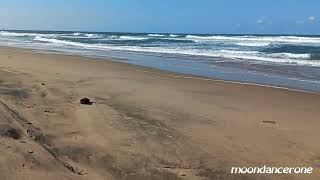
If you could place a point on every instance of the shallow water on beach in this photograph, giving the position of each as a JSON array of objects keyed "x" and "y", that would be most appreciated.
[{"x": 277, "y": 60}]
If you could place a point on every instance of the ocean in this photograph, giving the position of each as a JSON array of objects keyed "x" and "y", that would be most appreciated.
[{"x": 290, "y": 61}]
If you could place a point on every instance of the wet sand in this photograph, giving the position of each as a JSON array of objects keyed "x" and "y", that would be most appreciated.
[{"x": 145, "y": 123}]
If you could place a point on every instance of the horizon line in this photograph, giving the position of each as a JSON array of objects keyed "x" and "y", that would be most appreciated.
[{"x": 184, "y": 33}]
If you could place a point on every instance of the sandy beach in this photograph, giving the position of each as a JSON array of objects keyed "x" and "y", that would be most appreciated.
[{"x": 145, "y": 123}]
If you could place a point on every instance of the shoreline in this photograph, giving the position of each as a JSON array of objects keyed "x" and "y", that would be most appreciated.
[
  {"x": 145, "y": 123},
  {"x": 251, "y": 59},
  {"x": 170, "y": 73}
]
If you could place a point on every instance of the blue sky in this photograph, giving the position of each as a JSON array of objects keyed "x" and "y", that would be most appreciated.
[{"x": 184, "y": 16}]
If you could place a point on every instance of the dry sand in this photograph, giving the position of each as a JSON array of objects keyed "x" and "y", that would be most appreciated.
[{"x": 145, "y": 123}]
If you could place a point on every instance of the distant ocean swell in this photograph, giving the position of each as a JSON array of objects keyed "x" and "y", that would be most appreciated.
[{"x": 293, "y": 50}]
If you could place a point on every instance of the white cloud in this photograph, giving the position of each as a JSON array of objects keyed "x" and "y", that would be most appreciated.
[
  {"x": 260, "y": 21},
  {"x": 312, "y": 18}
]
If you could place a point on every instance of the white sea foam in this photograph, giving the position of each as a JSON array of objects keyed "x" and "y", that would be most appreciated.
[
  {"x": 173, "y": 35},
  {"x": 58, "y": 42},
  {"x": 290, "y": 55},
  {"x": 133, "y": 38},
  {"x": 258, "y": 39},
  {"x": 287, "y": 58},
  {"x": 79, "y": 35},
  {"x": 274, "y": 57},
  {"x": 299, "y": 59},
  {"x": 92, "y": 35},
  {"x": 4, "y": 33},
  {"x": 18, "y": 34},
  {"x": 156, "y": 35},
  {"x": 253, "y": 44}
]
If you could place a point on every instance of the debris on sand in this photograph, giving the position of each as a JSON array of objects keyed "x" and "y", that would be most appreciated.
[
  {"x": 269, "y": 122},
  {"x": 43, "y": 84},
  {"x": 7, "y": 131},
  {"x": 85, "y": 101}
]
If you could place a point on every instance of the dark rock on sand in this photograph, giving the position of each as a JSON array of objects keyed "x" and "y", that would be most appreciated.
[{"x": 85, "y": 101}]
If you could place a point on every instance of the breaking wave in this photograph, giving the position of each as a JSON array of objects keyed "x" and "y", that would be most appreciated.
[
  {"x": 156, "y": 35},
  {"x": 136, "y": 38},
  {"x": 296, "y": 50},
  {"x": 259, "y": 39},
  {"x": 299, "y": 59}
]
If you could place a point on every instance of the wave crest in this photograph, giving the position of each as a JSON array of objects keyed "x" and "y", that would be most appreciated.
[
  {"x": 133, "y": 38},
  {"x": 259, "y": 39},
  {"x": 298, "y": 59},
  {"x": 173, "y": 35},
  {"x": 253, "y": 44},
  {"x": 156, "y": 35},
  {"x": 20, "y": 34}
]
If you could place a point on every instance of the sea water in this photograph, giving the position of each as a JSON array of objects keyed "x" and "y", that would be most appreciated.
[{"x": 291, "y": 61}]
